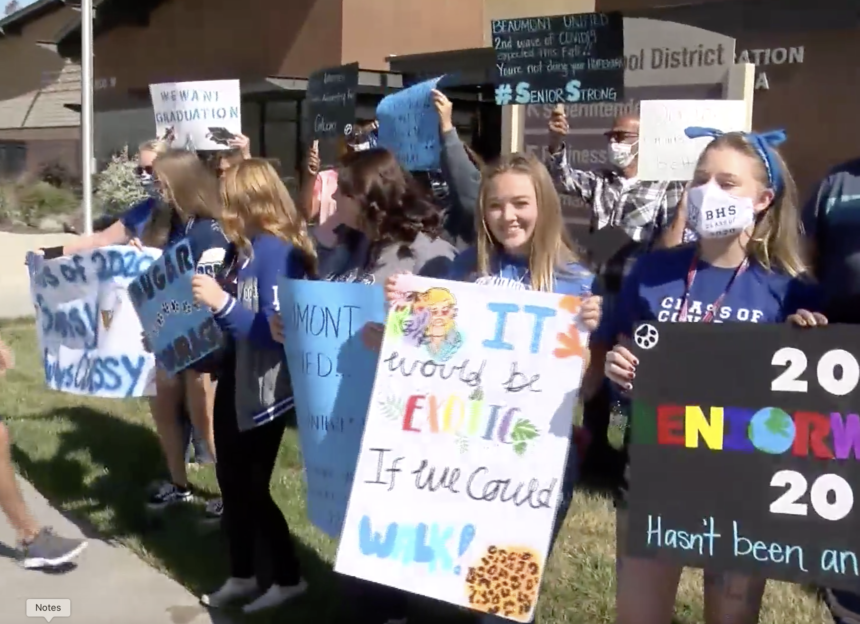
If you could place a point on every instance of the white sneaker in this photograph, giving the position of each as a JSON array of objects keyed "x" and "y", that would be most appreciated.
[
  {"x": 232, "y": 590},
  {"x": 276, "y": 596}
]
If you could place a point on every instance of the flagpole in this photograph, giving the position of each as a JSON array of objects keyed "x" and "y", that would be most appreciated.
[{"x": 87, "y": 111}]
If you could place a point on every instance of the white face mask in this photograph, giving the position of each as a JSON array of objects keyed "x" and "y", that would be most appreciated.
[
  {"x": 621, "y": 154},
  {"x": 715, "y": 213}
]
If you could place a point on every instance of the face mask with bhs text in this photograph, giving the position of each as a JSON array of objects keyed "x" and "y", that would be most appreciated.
[{"x": 715, "y": 213}]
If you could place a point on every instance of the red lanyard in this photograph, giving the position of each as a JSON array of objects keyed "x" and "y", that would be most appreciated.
[{"x": 691, "y": 277}]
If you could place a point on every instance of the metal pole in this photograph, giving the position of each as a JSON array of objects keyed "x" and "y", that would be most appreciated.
[{"x": 87, "y": 111}]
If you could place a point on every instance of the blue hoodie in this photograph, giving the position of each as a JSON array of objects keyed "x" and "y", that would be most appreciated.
[{"x": 507, "y": 271}]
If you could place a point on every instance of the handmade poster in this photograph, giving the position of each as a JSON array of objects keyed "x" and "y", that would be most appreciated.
[
  {"x": 88, "y": 332},
  {"x": 331, "y": 100},
  {"x": 559, "y": 59},
  {"x": 409, "y": 127},
  {"x": 332, "y": 375},
  {"x": 465, "y": 445},
  {"x": 665, "y": 152},
  {"x": 180, "y": 332},
  {"x": 744, "y": 456},
  {"x": 201, "y": 115}
]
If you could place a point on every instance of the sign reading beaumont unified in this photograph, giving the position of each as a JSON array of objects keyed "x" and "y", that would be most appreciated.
[
  {"x": 560, "y": 59},
  {"x": 755, "y": 477},
  {"x": 331, "y": 98},
  {"x": 465, "y": 445}
]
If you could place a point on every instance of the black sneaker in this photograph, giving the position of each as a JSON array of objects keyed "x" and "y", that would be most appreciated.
[
  {"x": 48, "y": 550},
  {"x": 169, "y": 494}
]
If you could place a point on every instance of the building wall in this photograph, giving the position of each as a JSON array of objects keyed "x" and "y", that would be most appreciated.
[
  {"x": 35, "y": 86},
  {"x": 508, "y": 9},
  {"x": 807, "y": 77}
]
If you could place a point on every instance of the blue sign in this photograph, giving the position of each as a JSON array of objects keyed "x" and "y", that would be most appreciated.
[
  {"x": 332, "y": 373},
  {"x": 163, "y": 293},
  {"x": 409, "y": 127}
]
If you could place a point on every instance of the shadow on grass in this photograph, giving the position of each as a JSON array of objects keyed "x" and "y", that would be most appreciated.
[{"x": 127, "y": 458}]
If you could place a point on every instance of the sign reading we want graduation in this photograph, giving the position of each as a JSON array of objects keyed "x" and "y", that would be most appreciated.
[
  {"x": 744, "y": 455},
  {"x": 465, "y": 443}
]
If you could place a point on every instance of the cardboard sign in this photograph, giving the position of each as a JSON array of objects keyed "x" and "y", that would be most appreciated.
[
  {"x": 89, "y": 335},
  {"x": 162, "y": 294},
  {"x": 665, "y": 152},
  {"x": 465, "y": 444},
  {"x": 745, "y": 454},
  {"x": 331, "y": 100},
  {"x": 331, "y": 371},
  {"x": 202, "y": 115},
  {"x": 560, "y": 59},
  {"x": 409, "y": 127}
]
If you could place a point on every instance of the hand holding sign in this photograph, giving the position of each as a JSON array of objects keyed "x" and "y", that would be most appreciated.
[
  {"x": 558, "y": 128},
  {"x": 445, "y": 109}
]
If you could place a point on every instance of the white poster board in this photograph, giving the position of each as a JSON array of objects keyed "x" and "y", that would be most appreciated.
[
  {"x": 465, "y": 444},
  {"x": 665, "y": 152},
  {"x": 90, "y": 337},
  {"x": 201, "y": 115}
]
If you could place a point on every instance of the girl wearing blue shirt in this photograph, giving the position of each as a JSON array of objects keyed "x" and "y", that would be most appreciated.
[
  {"x": 522, "y": 244},
  {"x": 746, "y": 267},
  {"x": 191, "y": 208},
  {"x": 253, "y": 394}
]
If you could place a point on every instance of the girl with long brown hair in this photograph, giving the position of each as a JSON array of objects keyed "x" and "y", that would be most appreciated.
[
  {"x": 746, "y": 267},
  {"x": 190, "y": 208},
  {"x": 253, "y": 394}
]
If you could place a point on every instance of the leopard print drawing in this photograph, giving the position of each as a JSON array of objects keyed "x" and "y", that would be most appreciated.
[{"x": 505, "y": 582}]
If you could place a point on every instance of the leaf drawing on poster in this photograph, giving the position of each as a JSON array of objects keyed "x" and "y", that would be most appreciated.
[
  {"x": 392, "y": 407},
  {"x": 523, "y": 432}
]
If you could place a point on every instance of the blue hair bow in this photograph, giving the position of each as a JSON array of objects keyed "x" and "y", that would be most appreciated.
[{"x": 761, "y": 142}]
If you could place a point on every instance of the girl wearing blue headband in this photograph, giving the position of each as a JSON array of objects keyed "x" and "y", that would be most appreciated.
[{"x": 745, "y": 267}]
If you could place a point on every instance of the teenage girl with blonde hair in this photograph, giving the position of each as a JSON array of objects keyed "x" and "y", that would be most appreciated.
[
  {"x": 522, "y": 244},
  {"x": 746, "y": 267},
  {"x": 253, "y": 394}
]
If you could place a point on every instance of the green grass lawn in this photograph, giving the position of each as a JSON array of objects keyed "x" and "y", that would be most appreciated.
[{"x": 95, "y": 458}]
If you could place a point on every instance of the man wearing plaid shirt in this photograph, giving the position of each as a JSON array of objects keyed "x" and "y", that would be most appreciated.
[{"x": 644, "y": 211}]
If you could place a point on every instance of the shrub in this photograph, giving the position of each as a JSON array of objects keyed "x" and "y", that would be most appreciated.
[
  {"x": 40, "y": 199},
  {"x": 117, "y": 186},
  {"x": 57, "y": 174}
]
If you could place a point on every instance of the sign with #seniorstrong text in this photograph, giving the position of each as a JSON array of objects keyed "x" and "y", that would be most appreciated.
[
  {"x": 465, "y": 444},
  {"x": 745, "y": 450}
]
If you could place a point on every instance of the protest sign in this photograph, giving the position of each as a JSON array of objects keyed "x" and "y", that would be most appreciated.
[
  {"x": 755, "y": 477},
  {"x": 559, "y": 59},
  {"x": 89, "y": 335},
  {"x": 409, "y": 127},
  {"x": 331, "y": 371},
  {"x": 201, "y": 115},
  {"x": 163, "y": 293},
  {"x": 331, "y": 100},
  {"x": 665, "y": 152},
  {"x": 465, "y": 444}
]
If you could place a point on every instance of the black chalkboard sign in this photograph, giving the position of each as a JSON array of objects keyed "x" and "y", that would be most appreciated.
[
  {"x": 560, "y": 59},
  {"x": 331, "y": 101},
  {"x": 745, "y": 452}
]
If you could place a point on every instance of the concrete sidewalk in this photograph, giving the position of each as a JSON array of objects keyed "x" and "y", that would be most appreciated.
[{"x": 109, "y": 586}]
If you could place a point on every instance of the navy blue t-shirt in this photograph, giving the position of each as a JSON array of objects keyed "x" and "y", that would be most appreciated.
[
  {"x": 654, "y": 291},
  {"x": 209, "y": 245}
]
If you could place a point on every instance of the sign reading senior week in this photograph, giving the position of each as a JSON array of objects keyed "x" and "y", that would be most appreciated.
[
  {"x": 163, "y": 293},
  {"x": 759, "y": 477},
  {"x": 465, "y": 444},
  {"x": 332, "y": 376},
  {"x": 201, "y": 115},
  {"x": 89, "y": 334}
]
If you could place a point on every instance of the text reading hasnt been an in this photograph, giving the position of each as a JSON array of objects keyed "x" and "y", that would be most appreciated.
[
  {"x": 197, "y": 341},
  {"x": 703, "y": 543}
]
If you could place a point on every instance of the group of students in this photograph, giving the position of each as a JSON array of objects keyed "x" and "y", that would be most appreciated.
[{"x": 502, "y": 227}]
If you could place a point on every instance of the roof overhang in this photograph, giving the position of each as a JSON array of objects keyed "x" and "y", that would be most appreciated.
[
  {"x": 15, "y": 23},
  {"x": 109, "y": 14}
]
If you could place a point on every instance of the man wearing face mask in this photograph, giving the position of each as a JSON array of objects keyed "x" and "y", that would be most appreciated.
[{"x": 628, "y": 217}]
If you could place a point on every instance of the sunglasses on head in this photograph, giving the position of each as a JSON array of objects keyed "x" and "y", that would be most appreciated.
[
  {"x": 619, "y": 136},
  {"x": 143, "y": 170}
]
